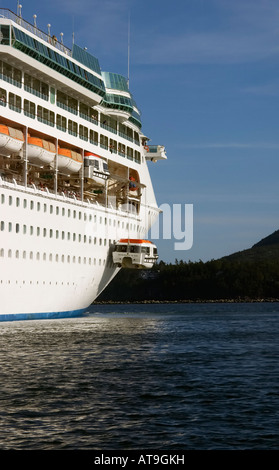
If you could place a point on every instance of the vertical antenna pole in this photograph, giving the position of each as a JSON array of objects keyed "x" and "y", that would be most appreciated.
[
  {"x": 129, "y": 50},
  {"x": 73, "y": 31}
]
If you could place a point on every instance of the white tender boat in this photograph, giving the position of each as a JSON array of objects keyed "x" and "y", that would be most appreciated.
[{"x": 135, "y": 253}]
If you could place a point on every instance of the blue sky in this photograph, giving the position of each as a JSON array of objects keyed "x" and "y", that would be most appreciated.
[{"x": 204, "y": 74}]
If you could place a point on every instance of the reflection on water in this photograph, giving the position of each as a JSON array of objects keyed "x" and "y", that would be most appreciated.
[{"x": 134, "y": 377}]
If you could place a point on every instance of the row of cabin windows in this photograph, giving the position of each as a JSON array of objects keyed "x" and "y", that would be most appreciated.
[
  {"x": 54, "y": 233},
  {"x": 84, "y": 133},
  {"x": 42, "y": 90},
  {"x": 51, "y": 209},
  {"x": 51, "y": 233},
  {"x": 51, "y": 257}
]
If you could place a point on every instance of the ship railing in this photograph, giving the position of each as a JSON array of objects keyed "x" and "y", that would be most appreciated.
[
  {"x": 8, "y": 14},
  {"x": 49, "y": 193}
]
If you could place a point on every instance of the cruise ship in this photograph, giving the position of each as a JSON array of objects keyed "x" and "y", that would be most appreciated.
[{"x": 76, "y": 197}]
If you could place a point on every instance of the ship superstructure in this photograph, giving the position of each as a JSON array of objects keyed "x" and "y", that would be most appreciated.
[{"x": 74, "y": 179}]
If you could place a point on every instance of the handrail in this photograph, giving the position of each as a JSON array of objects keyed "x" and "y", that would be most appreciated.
[{"x": 8, "y": 14}]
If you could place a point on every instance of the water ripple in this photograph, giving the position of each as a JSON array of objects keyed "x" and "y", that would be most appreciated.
[{"x": 150, "y": 377}]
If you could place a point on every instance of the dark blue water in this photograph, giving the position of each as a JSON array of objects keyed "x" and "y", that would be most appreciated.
[{"x": 191, "y": 376}]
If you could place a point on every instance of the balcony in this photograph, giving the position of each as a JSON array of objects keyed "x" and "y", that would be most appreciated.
[{"x": 155, "y": 152}]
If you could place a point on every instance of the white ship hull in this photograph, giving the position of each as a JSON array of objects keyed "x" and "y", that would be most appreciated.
[
  {"x": 58, "y": 224},
  {"x": 56, "y": 266}
]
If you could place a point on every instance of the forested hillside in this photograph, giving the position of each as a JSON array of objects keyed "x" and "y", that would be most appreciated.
[{"x": 249, "y": 274}]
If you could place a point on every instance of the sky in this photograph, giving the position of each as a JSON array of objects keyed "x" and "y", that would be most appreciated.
[{"x": 204, "y": 74}]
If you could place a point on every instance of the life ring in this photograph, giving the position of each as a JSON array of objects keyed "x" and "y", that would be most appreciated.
[
  {"x": 132, "y": 184},
  {"x": 146, "y": 148}
]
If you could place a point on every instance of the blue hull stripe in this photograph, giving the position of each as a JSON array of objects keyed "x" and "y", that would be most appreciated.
[{"x": 42, "y": 315}]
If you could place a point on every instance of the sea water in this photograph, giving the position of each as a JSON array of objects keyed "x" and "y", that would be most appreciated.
[{"x": 143, "y": 376}]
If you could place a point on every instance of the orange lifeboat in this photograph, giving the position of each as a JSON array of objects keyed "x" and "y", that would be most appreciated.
[
  {"x": 69, "y": 161},
  {"x": 40, "y": 151},
  {"x": 11, "y": 140}
]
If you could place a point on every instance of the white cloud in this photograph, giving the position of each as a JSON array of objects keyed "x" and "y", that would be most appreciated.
[
  {"x": 231, "y": 145},
  {"x": 208, "y": 47},
  {"x": 233, "y": 32}
]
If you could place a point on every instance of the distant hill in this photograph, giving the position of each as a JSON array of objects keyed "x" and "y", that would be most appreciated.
[
  {"x": 248, "y": 274},
  {"x": 265, "y": 249},
  {"x": 272, "y": 239}
]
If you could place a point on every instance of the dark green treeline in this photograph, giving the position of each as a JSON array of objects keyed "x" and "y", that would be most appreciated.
[{"x": 245, "y": 277}]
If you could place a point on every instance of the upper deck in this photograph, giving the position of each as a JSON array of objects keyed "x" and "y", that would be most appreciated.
[{"x": 76, "y": 69}]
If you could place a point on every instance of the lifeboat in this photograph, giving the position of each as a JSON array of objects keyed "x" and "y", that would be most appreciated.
[
  {"x": 68, "y": 161},
  {"x": 40, "y": 151},
  {"x": 135, "y": 253},
  {"x": 95, "y": 168},
  {"x": 11, "y": 140}
]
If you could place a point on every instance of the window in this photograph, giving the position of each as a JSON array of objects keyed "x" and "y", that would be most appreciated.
[
  {"x": 15, "y": 102},
  {"x": 104, "y": 141},
  {"x": 66, "y": 102},
  {"x": 61, "y": 123},
  {"x": 72, "y": 128},
  {"x": 93, "y": 137},
  {"x": 29, "y": 109},
  {"x": 137, "y": 156},
  {"x": 5, "y": 34},
  {"x": 36, "y": 87},
  {"x": 3, "y": 97},
  {"x": 112, "y": 146},
  {"x": 11, "y": 74},
  {"x": 129, "y": 153},
  {"x": 83, "y": 133},
  {"x": 52, "y": 95},
  {"x": 45, "y": 116}
]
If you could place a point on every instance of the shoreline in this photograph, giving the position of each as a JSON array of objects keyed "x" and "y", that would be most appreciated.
[{"x": 198, "y": 301}]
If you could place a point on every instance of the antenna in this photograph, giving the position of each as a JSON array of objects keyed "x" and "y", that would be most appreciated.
[
  {"x": 129, "y": 21},
  {"x": 19, "y": 7},
  {"x": 73, "y": 37}
]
